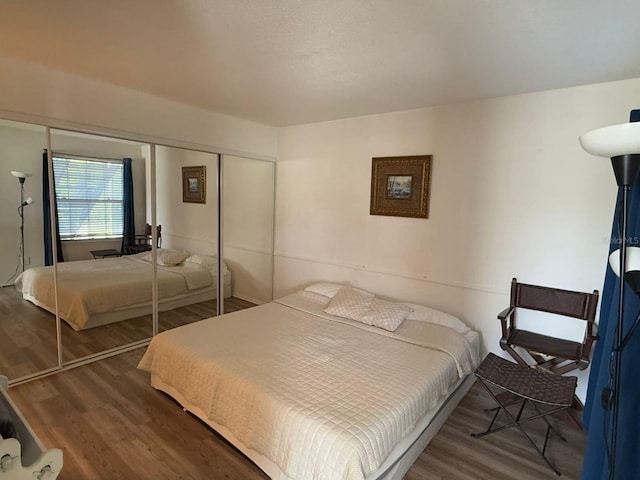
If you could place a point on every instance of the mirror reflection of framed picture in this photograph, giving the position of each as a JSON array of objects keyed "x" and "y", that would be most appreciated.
[
  {"x": 194, "y": 184},
  {"x": 400, "y": 186}
]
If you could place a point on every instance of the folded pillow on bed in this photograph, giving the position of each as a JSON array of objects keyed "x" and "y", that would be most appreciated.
[
  {"x": 167, "y": 257},
  {"x": 384, "y": 314},
  {"x": 7, "y": 427},
  {"x": 363, "y": 307},
  {"x": 207, "y": 261},
  {"x": 348, "y": 303}
]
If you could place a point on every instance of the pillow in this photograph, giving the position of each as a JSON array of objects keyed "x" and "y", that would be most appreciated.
[
  {"x": 352, "y": 304},
  {"x": 348, "y": 303},
  {"x": 166, "y": 257},
  {"x": 330, "y": 289},
  {"x": 204, "y": 260},
  {"x": 426, "y": 314},
  {"x": 384, "y": 314}
]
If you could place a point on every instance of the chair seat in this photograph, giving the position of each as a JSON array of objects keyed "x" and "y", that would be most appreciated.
[
  {"x": 548, "y": 393},
  {"x": 555, "y": 347},
  {"x": 529, "y": 383}
]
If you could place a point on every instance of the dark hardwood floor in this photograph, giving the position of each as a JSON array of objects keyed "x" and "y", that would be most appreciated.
[
  {"x": 28, "y": 335},
  {"x": 112, "y": 425}
]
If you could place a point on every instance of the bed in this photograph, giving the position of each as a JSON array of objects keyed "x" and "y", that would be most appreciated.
[
  {"x": 310, "y": 395},
  {"x": 92, "y": 293}
]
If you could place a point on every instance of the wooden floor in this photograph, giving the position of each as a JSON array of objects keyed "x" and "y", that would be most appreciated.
[
  {"x": 112, "y": 425},
  {"x": 28, "y": 332}
]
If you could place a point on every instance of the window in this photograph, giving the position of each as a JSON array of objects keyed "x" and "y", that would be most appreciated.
[{"x": 89, "y": 194}]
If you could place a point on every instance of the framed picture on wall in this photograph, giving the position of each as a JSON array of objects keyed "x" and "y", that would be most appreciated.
[
  {"x": 194, "y": 184},
  {"x": 400, "y": 186}
]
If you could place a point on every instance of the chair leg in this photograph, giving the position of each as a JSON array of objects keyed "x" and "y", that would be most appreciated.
[
  {"x": 549, "y": 426},
  {"x": 507, "y": 348},
  {"x": 516, "y": 421}
]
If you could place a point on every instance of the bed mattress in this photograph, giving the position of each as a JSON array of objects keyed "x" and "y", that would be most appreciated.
[
  {"x": 285, "y": 379},
  {"x": 94, "y": 288}
]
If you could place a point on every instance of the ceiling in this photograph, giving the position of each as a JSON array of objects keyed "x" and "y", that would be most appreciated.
[{"x": 287, "y": 62}]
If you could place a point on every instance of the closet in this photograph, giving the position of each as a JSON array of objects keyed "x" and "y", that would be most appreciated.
[{"x": 228, "y": 229}]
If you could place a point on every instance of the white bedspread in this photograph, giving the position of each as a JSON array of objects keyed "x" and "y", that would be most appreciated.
[
  {"x": 96, "y": 286},
  {"x": 321, "y": 399}
]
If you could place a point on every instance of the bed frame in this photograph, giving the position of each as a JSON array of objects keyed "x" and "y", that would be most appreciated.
[
  {"x": 400, "y": 459},
  {"x": 26, "y": 459}
]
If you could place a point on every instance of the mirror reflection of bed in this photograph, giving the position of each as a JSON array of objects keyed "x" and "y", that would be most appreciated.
[
  {"x": 28, "y": 331},
  {"x": 96, "y": 162}
]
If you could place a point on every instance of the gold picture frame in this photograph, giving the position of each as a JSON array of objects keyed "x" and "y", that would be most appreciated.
[
  {"x": 194, "y": 184},
  {"x": 400, "y": 186}
]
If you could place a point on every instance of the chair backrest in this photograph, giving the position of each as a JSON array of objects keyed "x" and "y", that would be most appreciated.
[
  {"x": 554, "y": 300},
  {"x": 147, "y": 232}
]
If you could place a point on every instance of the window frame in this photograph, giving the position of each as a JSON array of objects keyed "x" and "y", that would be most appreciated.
[{"x": 114, "y": 228}]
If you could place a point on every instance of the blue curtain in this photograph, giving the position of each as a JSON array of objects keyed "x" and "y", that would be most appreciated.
[
  {"x": 598, "y": 421},
  {"x": 46, "y": 216},
  {"x": 129, "y": 228}
]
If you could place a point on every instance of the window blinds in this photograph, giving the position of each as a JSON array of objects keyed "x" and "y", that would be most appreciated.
[{"x": 89, "y": 194}]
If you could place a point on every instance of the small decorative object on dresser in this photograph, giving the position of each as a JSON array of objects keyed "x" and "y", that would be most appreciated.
[
  {"x": 194, "y": 184},
  {"x": 400, "y": 186}
]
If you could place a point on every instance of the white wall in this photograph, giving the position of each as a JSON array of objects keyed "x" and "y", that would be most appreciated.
[
  {"x": 186, "y": 226},
  {"x": 513, "y": 195},
  {"x": 248, "y": 226},
  {"x": 34, "y": 90}
]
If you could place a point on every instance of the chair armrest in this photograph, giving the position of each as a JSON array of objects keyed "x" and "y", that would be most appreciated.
[
  {"x": 506, "y": 312},
  {"x": 590, "y": 336},
  {"x": 502, "y": 316}
]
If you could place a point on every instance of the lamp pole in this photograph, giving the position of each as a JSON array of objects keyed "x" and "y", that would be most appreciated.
[
  {"x": 620, "y": 143},
  {"x": 21, "y": 213},
  {"x": 625, "y": 168}
]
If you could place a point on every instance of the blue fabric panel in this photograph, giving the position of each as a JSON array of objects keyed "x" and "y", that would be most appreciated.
[
  {"x": 129, "y": 227},
  {"x": 598, "y": 421},
  {"x": 46, "y": 216}
]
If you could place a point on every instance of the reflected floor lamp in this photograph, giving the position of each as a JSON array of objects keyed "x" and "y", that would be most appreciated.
[
  {"x": 621, "y": 143},
  {"x": 22, "y": 176}
]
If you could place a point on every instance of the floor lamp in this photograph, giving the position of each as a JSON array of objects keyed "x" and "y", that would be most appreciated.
[
  {"x": 22, "y": 176},
  {"x": 621, "y": 143}
]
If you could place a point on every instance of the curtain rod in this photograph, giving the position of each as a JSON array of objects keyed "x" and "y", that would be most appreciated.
[{"x": 85, "y": 157}]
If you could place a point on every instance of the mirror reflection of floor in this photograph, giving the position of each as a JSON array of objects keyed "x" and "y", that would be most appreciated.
[
  {"x": 198, "y": 311},
  {"x": 28, "y": 336}
]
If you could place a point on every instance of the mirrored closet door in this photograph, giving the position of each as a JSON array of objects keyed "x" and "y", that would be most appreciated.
[
  {"x": 187, "y": 220},
  {"x": 104, "y": 271},
  {"x": 248, "y": 218},
  {"x": 28, "y": 339},
  {"x": 112, "y": 201}
]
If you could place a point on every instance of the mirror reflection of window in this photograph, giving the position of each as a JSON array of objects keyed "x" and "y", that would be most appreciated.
[
  {"x": 104, "y": 285},
  {"x": 90, "y": 197}
]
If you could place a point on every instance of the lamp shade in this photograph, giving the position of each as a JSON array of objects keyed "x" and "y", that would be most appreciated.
[
  {"x": 612, "y": 141},
  {"x": 632, "y": 269},
  {"x": 20, "y": 174}
]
